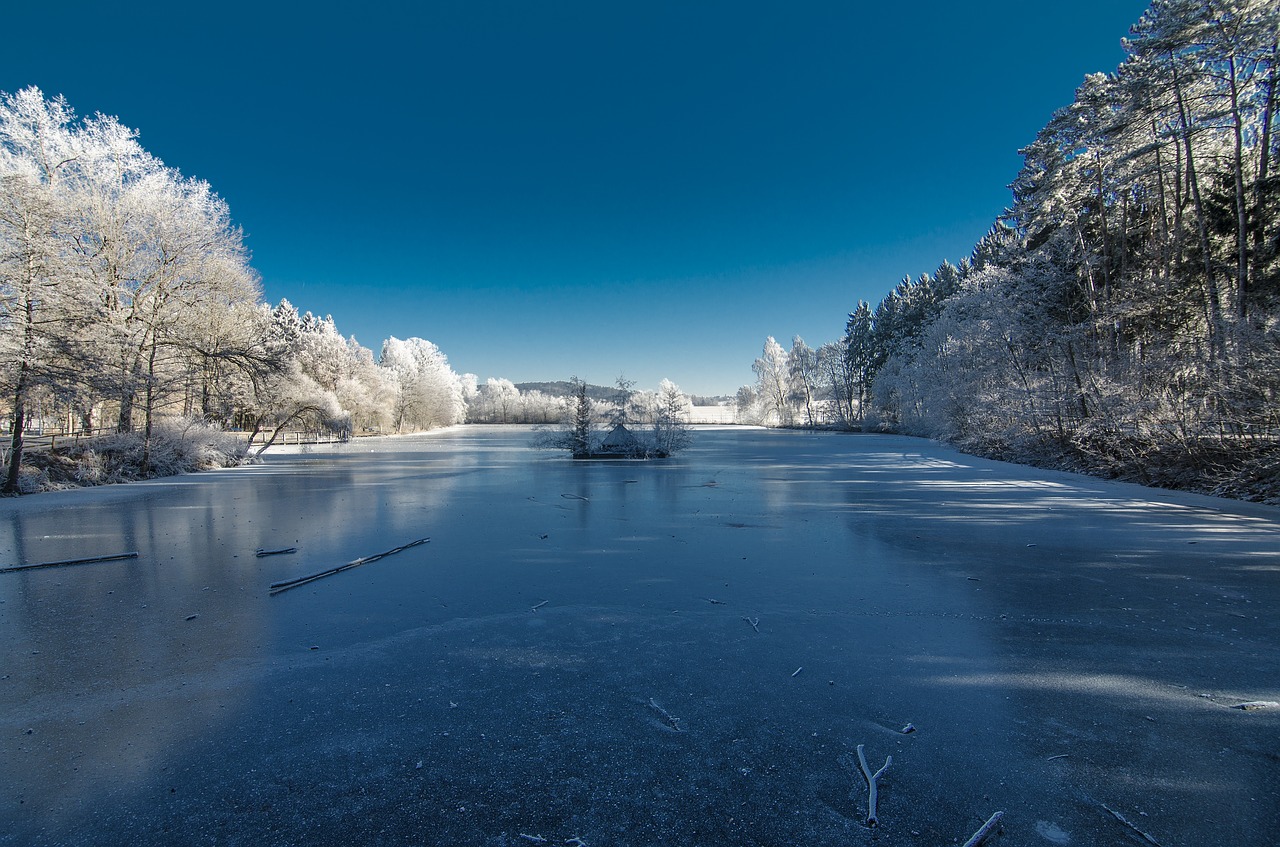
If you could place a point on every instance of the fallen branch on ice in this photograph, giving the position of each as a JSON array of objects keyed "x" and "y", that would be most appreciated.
[
  {"x": 540, "y": 605},
  {"x": 260, "y": 552},
  {"x": 667, "y": 716},
  {"x": 573, "y": 497},
  {"x": 1124, "y": 821},
  {"x": 90, "y": 560},
  {"x": 987, "y": 828},
  {"x": 277, "y": 587},
  {"x": 873, "y": 790},
  {"x": 755, "y": 624}
]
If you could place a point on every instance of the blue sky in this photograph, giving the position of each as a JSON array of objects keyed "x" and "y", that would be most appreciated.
[{"x": 547, "y": 189}]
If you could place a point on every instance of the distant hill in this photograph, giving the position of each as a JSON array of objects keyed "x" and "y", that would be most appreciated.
[{"x": 564, "y": 388}]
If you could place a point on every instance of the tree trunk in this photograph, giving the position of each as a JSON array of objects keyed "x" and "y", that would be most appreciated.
[
  {"x": 1237, "y": 168},
  {"x": 15, "y": 442},
  {"x": 148, "y": 409},
  {"x": 124, "y": 422},
  {"x": 21, "y": 385},
  {"x": 1264, "y": 164},
  {"x": 1163, "y": 252},
  {"x": 1213, "y": 302}
]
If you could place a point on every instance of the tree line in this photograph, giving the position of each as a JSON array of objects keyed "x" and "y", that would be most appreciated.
[
  {"x": 1123, "y": 315},
  {"x": 127, "y": 299},
  {"x": 502, "y": 401},
  {"x": 126, "y": 294}
]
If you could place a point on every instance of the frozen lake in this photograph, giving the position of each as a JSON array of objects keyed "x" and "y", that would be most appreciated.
[{"x": 1067, "y": 649}]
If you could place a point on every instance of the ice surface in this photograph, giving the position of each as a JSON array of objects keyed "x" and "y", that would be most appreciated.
[{"x": 1058, "y": 642}]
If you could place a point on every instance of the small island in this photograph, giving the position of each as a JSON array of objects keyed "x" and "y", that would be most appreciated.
[{"x": 624, "y": 439}]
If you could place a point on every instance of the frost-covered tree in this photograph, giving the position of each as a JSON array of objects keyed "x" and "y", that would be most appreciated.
[
  {"x": 126, "y": 294},
  {"x": 803, "y": 380},
  {"x": 499, "y": 400},
  {"x": 428, "y": 392},
  {"x": 621, "y": 412},
  {"x": 537, "y": 407},
  {"x": 773, "y": 384},
  {"x": 1124, "y": 315},
  {"x": 365, "y": 391},
  {"x": 582, "y": 427},
  {"x": 837, "y": 384},
  {"x": 747, "y": 407},
  {"x": 671, "y": 419},
  {"x": 42, "y": 300}
]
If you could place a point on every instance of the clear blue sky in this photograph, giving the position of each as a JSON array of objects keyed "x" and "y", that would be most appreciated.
[{"x": 592, "y": 188}]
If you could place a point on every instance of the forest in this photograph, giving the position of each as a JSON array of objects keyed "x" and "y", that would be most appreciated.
[
  {"x": 1122, "y": 317},
  {"x": 130, "y": 311}
]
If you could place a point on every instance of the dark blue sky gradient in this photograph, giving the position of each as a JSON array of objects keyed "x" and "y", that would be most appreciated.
[{"x": 592, "y": 188}]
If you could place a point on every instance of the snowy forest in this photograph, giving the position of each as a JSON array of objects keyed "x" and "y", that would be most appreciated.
[
  {"x": 1123, "y": 315},
  {"x": 128, "y": 306},
  {"x": 133, "y": 319}
]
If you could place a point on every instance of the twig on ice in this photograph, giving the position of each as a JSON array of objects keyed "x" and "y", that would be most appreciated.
[
  {"x": 260, "y": 552},
  {"x": 277, "y": 587},
  {"x": 90, "y": 560},
  {"x": 673, "y": 721},
  {"x": 538, "y": 839},
  {"x": 1124, "y": 821},
  {"x": 797, "y": 671},
  {"x": 573, "y": 497},
  {"x": 873, "y": 790},
  {"x": 1059, "y": 756},
  {"x": 540, "y": 605},
  {"x": 755, "y": 624},
  {"x": 986, "y": 829}
]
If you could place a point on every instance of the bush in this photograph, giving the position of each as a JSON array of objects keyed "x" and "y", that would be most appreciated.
[{"x": 178, "y": 445}]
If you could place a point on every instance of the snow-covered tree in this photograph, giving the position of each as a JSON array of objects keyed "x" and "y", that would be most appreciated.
[
  {"x": 126, "y": 292},
  {"x": 428, "y": 392},
  {"x": 498, "y": 401},
  {"x": 42, "y": 301},
  {"x": 773, "y": 383},
  {"x": 1124, "y": 315},
  {"x": 671, "y": 419},
  {"x": 803, "y": 378}
]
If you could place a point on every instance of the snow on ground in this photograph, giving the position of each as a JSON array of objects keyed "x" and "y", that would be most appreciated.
[
  {"x": 713, "y": 415},
  {"x": 676, "y": 652}
]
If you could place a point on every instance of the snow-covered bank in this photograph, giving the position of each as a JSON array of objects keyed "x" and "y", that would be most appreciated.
[
  {"x": 175, "y": 447},
  {"x": 610, "y": 651}
]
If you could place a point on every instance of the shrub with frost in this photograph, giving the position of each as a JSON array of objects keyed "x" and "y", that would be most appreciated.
[{"x": 178, "y": 445}]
